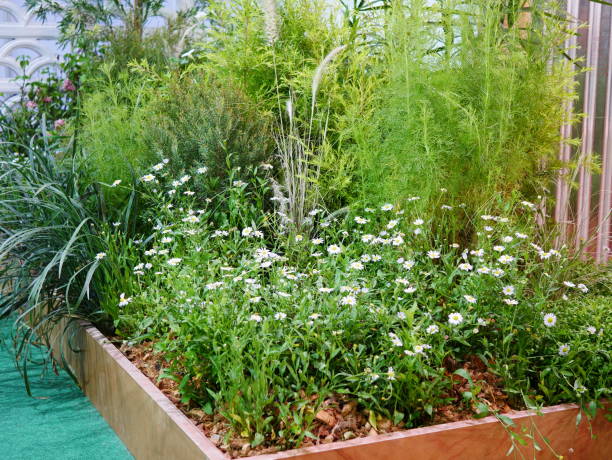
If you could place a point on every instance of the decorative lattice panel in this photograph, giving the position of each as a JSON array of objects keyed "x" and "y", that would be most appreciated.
[{"x": 22, "y": 35}]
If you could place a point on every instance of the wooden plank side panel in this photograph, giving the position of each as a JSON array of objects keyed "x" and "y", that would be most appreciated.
[
  {"x": 145, "y": 420},
  {"x": 474, "y": 439}
]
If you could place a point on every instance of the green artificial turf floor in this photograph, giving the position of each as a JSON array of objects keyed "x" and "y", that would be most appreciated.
[{"x": 58, "y": 423}]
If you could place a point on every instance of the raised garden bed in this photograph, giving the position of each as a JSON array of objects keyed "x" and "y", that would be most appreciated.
[{"x": 151, "y": 426}]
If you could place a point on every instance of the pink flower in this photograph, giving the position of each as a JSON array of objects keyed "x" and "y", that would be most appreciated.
[
  {"x": 31, "y": 105},
  {"x": 47, "y": 99},
  {"x": 68, "y": 85},
  {"x": 59, "y": 123}
]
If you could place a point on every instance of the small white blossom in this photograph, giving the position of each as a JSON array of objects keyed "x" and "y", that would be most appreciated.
[
  {"x": 350, "y": 300},
  {"x": 100, "y": 255},
  {"x": 455, "y": 318},
  {"x": 334, "y": 249},
  {"x": 550, "y": 319},
  {"x": 564, "y": 349},
  {"x": 174, "y": 261},
  {"x": 123, "y": 300}
]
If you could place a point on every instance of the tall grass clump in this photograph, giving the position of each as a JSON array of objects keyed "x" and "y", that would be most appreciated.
[
  {"x": 54, "y": 244},
  {"x": 472, "y": 102}
]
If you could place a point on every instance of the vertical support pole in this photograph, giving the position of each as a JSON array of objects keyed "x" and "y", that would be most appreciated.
[
  {"x": 605, "y": 195},
  {"x": 565, "y": 150},
  {"x": 583, "y": 211}
]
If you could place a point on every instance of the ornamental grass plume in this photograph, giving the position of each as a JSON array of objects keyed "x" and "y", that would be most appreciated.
[{"x": 270, "y": 11}]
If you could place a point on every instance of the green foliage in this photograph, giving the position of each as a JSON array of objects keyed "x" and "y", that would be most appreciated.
[
  {"x": 86, "y": 24},
  {"x": 467, "y": 103},
  {"x": 52, "y": 243},
  {"x": 373, "y": 318},
  {"x": 112, "y": 129},
  {"x": 200, "y": 121}
]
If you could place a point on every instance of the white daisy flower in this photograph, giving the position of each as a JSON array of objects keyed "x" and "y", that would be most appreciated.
[
  {"x": 569, "y": 284},
  {"x": 367, "y": 238},
  {"x": 432, "y": 329},
  {"x": 401, "y": 315},
  {"x": 465, "y": 267},
  {"x": 498, "y": 272},
  {"x": 361, "y": 220},
  {"x": 123, "y": 300},
  {"x": 356, "y": 266},
  {"x": 455, "y": 318},
  {"x": 508, "y": 290},
  {"x": 334, "y": 249},
  {"x": 100, "y": 255},
  {"x": 317, "y": 241},
  {"x": 280, "y": 315},
  {"x": 166, "y": 239},
  {"x": 202, "y": 170},
  {"x": 350, "y": 300},
  {"x": 174, "y": 261},
  {"x": 469, "y": 298},
  {"x": 191, "y": 219},
  {"x": 499, "y": 248},
  {"x": 520, "y": 235},
  {"x": 483, "y": 270},
  {"x": 397, "y": 240},
  {"x": 505, "y": 259},
  {"x": 255, "y": 317},
  {"x": 386, "y": 207},
  {"x": 591, "y": 330},
  {"x": 507, "y": 239},
  {"x": 550, "y": 319},
  {"x": 395, "y": 340},
  {"x": 511, "y": 301},
  {"x": 564, "y": 349},
  {"x": 418, "y": 222},
  {"x": 148, "y": 178},
  {"x": 433, "y": 254}
]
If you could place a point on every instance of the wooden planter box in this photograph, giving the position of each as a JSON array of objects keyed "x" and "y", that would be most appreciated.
[{"x": 153, "y": 428}]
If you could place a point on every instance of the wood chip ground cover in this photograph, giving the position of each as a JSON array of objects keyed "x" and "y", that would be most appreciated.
[{"x": 338, "y": 419}]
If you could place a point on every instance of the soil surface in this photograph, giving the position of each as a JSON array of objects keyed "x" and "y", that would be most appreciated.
[{"x": 339, "y": 418}]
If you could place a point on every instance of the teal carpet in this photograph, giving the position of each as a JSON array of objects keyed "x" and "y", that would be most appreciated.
[{"x": 59, "y": 423}]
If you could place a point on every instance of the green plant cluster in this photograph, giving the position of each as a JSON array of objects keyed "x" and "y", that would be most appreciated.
[{"x": 300, "y": 200}]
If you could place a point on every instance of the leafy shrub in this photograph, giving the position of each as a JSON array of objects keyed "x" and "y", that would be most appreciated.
[{"x": 199, "y": 121}]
